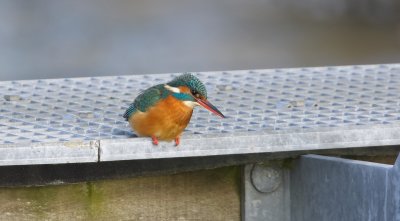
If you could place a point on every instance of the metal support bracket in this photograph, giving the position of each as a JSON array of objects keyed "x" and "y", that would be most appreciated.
[
  {"x": 322, "y": 188},
  {"x": 266, "y": 192}
]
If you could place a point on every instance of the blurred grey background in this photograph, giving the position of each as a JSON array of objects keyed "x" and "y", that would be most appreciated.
[{"x": 70, "y": 38}]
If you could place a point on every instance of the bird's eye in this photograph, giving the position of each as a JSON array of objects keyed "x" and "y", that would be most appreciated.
[{"x": 195, "y": 93}]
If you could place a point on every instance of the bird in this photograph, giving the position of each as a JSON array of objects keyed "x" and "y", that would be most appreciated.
[{"x": 163, "y": 111}]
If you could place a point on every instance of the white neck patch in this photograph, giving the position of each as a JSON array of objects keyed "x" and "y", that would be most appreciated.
[
  {"x": 173, "y": 89},
  {"x": 191, "y": 104}
]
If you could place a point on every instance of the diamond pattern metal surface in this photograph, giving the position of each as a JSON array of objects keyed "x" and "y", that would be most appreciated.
[{"x": 283, "y": 99}]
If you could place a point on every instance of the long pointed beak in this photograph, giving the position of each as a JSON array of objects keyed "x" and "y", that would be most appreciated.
[{"x": 207, "y": 105}]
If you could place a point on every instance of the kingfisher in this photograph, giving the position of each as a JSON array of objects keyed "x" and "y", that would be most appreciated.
[{"x": 163, "y": 111}]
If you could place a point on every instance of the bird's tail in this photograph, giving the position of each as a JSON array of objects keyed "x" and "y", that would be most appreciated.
[{"x": 131, "y": 109}]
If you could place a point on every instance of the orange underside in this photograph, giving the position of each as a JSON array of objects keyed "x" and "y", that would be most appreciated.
[{"x": 166, "y": 120}]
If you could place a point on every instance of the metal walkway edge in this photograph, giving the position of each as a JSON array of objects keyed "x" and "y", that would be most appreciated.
[{"x": 79, "y": 120}]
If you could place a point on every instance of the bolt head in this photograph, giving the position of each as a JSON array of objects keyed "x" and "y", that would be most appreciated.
[{"x": 266, "y": 179}]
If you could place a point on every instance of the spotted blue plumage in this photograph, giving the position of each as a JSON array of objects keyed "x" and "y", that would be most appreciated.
[
  {"x": 146, "y": 99},
  {"x": 190, "y": 81}
]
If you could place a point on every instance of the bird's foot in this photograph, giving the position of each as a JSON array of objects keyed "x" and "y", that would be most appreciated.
[
  {"x": 155, "y": 141},
  {"x": 177, "y": 141}
]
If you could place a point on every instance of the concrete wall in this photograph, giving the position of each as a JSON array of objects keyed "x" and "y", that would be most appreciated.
[{"x": 202, "y": 195}]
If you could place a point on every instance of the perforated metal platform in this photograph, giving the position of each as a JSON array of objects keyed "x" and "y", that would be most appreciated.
[{"x": 86, "y": 113}]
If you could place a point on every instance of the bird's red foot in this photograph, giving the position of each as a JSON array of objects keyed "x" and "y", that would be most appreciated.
[
  {"x": 155, "y": 141},
  {"x": 177, "y": 141}
]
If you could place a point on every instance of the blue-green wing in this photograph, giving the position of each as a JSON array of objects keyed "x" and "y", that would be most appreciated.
[{"x": 145, "y": 100}]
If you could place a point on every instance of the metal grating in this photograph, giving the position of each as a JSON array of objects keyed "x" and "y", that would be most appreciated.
[{"x": 260, "y": 100}]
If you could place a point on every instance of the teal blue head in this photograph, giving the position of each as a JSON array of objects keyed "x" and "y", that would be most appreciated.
[
  {"x": 187, "y": 82},
  {"x": 189, "y": 89}
]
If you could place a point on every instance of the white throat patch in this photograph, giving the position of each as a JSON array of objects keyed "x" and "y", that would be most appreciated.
[
  {"x": 173, "y": 89},
  {"x": 191, "y": 104}
]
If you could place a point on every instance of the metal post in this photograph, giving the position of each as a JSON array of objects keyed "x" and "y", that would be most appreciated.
[{"x": 266, "y": 193}]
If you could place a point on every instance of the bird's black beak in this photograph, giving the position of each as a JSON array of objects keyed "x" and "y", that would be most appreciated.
[{"x": 207, "y": 105}]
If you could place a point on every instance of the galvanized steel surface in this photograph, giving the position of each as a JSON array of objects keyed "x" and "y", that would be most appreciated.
[
  {"x": 265, "y": 102},
  {"x": 325, "y": 188},
  {"x": 330, "y": 188},
  {"x": 265, "y": 205}
]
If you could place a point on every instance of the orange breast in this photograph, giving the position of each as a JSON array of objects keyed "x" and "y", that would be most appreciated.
[{"x": 166, "y": 120}]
